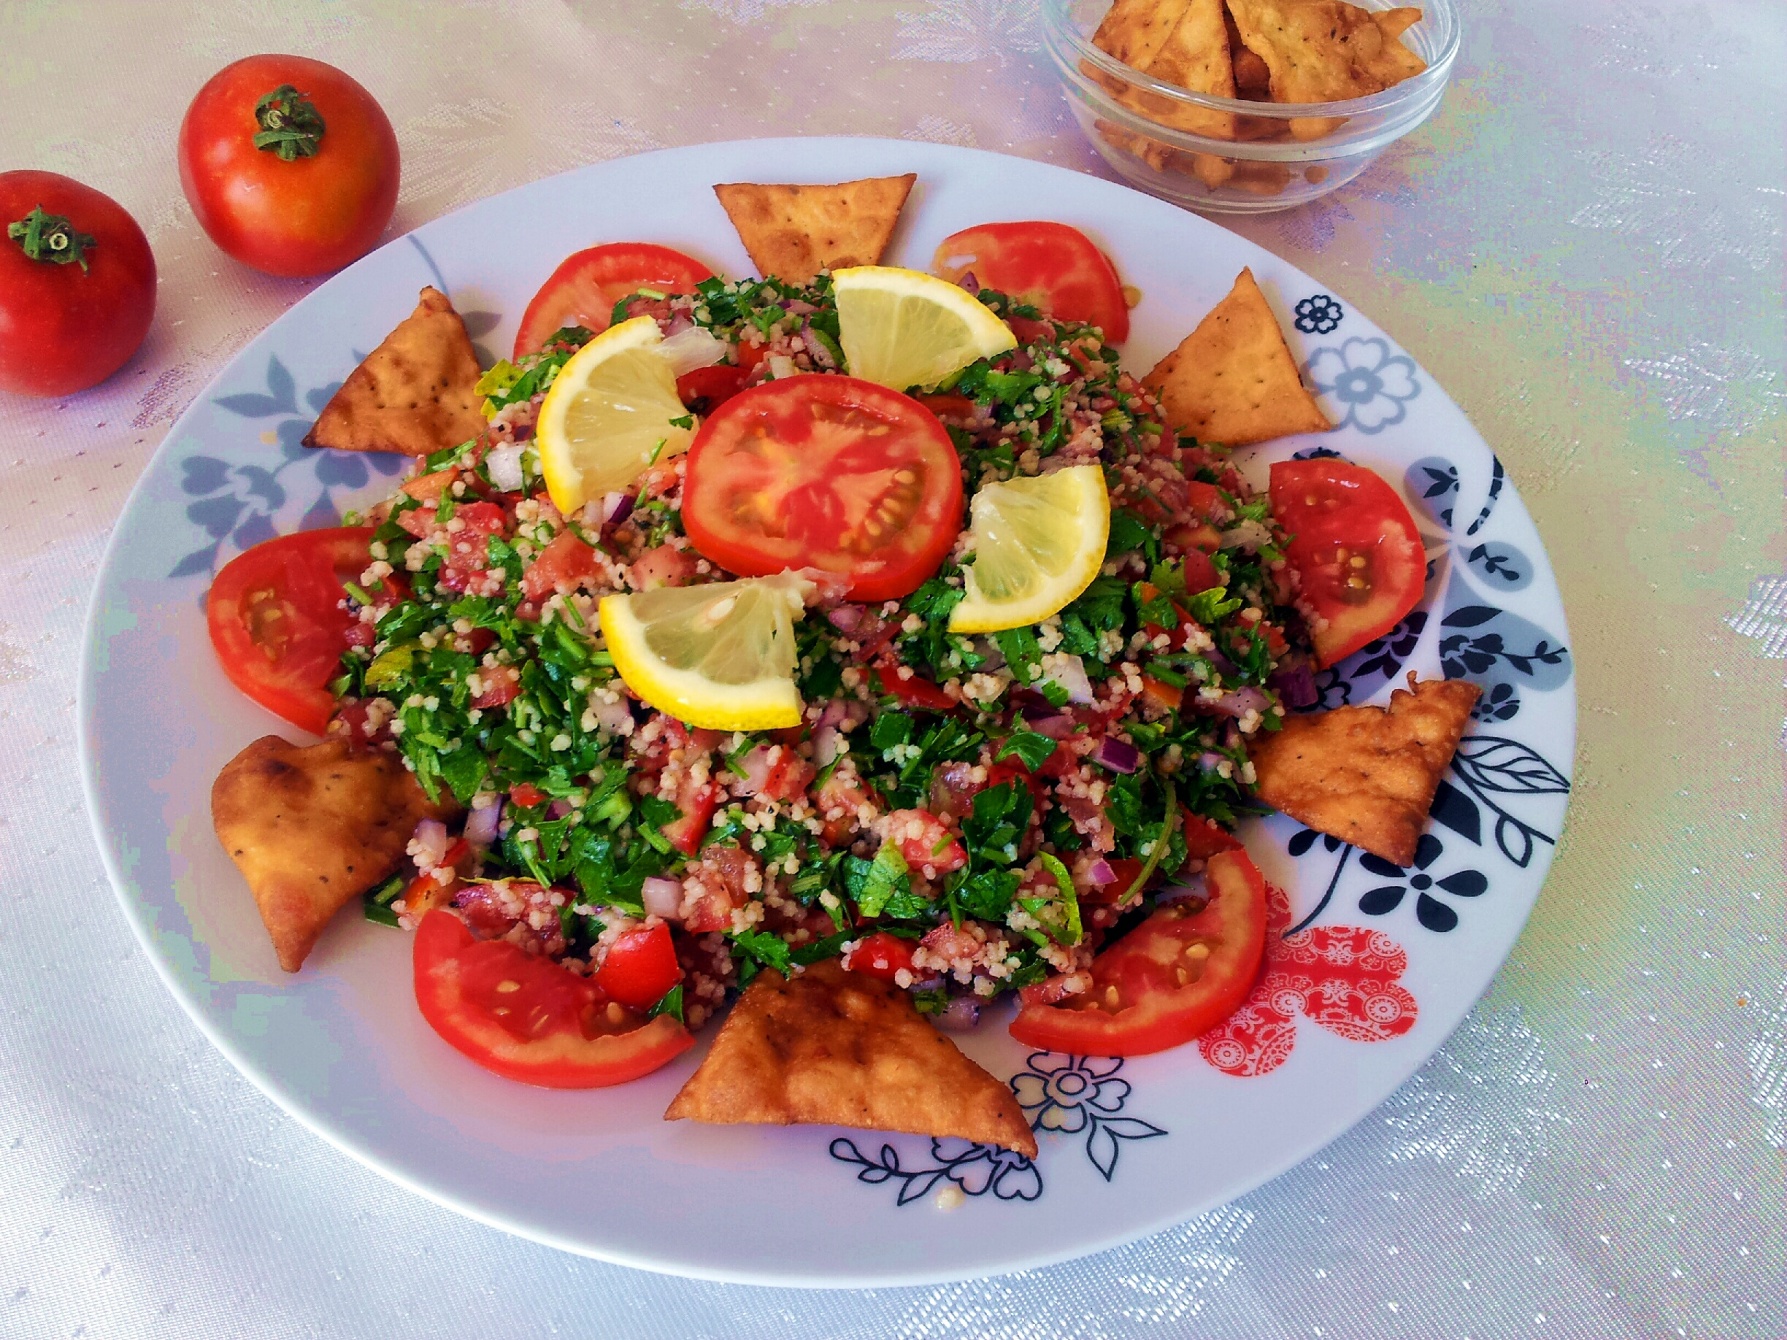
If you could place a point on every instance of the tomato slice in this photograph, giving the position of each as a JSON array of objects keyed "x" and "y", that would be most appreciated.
[
  {"x": 1178, "y": 974},
  {"x": 526, "y": 1018},
  {"x": 587, "y": 284},
  {"x": 1048, "y": 265},
  {"x": 912, "y": 689},
  {"x": 1353, "y": 545},
  {"x": 829, "y": 472},
  {"x": 277, "y": 624}
]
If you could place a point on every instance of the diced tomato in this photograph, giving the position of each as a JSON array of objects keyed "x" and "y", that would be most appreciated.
[
  {"x": 1046, "y": 992},
  {"x": 844, "y": 793},
  {"x": 501, "y": 684},
  {"x": 705, "y": 389},
  {"x": 925, "y": 840},
  {"x": 468, "y": 547},
  {"x": 722, "y": 872},
  {"x": 775, "y": 772},
  {"x": 559, "y": 567},
  {"x": 526, "y": 795},
  {"x": 696, "y": 802},
  {"x": 664, "y": 566},
  {"x": 1125, "y": 870},
  {"x": 526, "y": 1018},
  {"x": 1204, "y": 839},
  {"x": 640, "y": 967},
  {"x": 435, "y": 888},
  {"x": 1029, "y": 331},
  {"x": 1178, "y": 974},
  {"x": 880, "y": 955},
  {"x": 912, "y": 689},
  {"x": 947, "y": 404}
]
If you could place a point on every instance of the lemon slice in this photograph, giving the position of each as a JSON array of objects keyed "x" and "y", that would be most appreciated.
[
  {"x": 608, "y": 415},
  {"x": 1039, "y": 540},
  {"x": 719, "y": 656},
  {"x": 903, "y": 328}
]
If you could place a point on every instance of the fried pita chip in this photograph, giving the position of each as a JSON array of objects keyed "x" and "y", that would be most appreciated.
[
  {"x": 312, "y": 827},
  {"x": 843, "y": 1049},
  {"x": 1233, "y": 380},
  {"x": 1181, "y": 42},
  {"x": 1367, "y": 775},
  {"x": 1133, "y": 31},
  {"x": 793, "y": 232},
  {"x": 416, "y": 393},
  {"x": 1326, "y": 50}
]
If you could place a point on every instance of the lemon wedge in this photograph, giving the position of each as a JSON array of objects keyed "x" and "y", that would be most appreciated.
[
  {"x": 904, "y": 328},
  {"x": 608, "y": 415},
  {"x": 1039, "y": 540},
  {"x": 719, "y": 656}
]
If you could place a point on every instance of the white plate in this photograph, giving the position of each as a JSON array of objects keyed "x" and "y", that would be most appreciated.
[{"x": 1127, "y": 1148}]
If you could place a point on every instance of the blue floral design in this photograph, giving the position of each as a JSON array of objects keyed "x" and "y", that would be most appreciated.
[
  {"x": 1502, "y": 564},
  {"x": 975, "y": 1168},
  {"x": 1081, "y": 1093},
  {"x": 1493, "y": 769},
  {"x": 237, "y": 503},
  {"x": 1318, "y": 315},
  {"x": 1429, "y": 910},
  {"x": 1065, "y": 1094},
  {"x": 1433, "y": 483},
  {"x": 1365, "y": 384}
]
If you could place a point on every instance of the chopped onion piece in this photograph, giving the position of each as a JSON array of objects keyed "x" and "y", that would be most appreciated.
[
  {"x": 504, "y": 465},
  {"x": 481, "y": 824},
  {"x": 662, "y": 897},
  {"x": 690, "y": 349},
  {"x": 1117, "y": 755},
  {"x": 959, "y": 1016}
]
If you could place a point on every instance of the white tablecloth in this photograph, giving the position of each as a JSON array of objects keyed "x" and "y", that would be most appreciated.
[{"x": 1584, "y": 247}]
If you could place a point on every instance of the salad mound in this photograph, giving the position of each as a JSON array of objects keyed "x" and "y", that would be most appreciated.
[{"x": 964, "y": 815}]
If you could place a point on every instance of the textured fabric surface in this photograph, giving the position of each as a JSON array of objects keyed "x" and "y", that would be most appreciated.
[{"x": 1584, "y": 247}]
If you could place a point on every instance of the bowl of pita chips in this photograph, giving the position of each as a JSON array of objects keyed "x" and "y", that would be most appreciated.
[{"x": 1246, "y": 106}]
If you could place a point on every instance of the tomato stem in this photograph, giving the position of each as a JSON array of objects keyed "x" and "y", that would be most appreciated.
[
  {"x": 51, "y": 238},
  {"x": 290, "y": 125}
]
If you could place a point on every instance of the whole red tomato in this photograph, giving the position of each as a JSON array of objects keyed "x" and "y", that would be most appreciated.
[
  {"x": 289, "y": 164},
  {"x": 77, "y": 284}
]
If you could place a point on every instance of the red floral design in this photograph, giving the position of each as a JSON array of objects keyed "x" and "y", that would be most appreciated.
[{"x": 1345, "y": 978}]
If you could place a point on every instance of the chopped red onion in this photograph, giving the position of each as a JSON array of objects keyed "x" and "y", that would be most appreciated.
[
  {"x": 1239, "y": 702},
  {"x": 1117, "y": 755},
  {"x": 1209, "y": 761},
  {"x": 970, "y": 282},
  {"x": 558, "y": 809},
  {"x": 1057, "y": 727},
  {"x": 662, "y": 897},
  {"x": 481, "y": 824},
  {"x": 1101, "y": 872},
  {"x": 831, "y": 715},
  {"x": 828, "y": 743},
  {"x": 1295, "y": 682},
  {"x": 961, "y": 1015},
  {"x": 847, "y": 619}
]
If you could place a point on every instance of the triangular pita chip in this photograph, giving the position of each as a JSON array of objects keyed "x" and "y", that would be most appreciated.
[
  {"x": 312, "y": 827},
  {"x": 1179, "y": 42},
  {"x": 1133, "y": 31},
  {"x": 793, "y": 232},
  {"x": 416, "y": 393},
  {"x": 1326, "y": 50},
  {"x": 1367, "y": 775},
  {"x": 843, "y": 1049},
  {"x": 1233, "y": 380}
]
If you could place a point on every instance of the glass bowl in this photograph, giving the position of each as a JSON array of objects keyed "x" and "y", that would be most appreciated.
[{"x": 1282, "y": 154}]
